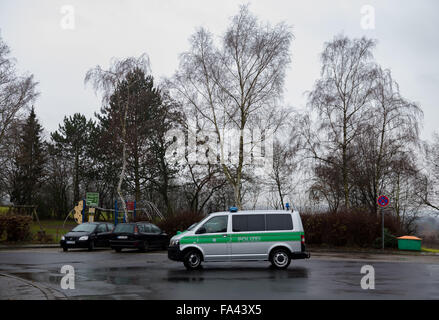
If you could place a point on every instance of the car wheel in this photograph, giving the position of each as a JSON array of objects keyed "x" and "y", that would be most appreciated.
[
  {"x": 192, "y": 260},
  {"x": 65, "y": 249},
  {"x": 118, "y": 249},
  {"x": 144, "y": 247},
  {"x": 280, "y": 259},
  {"x": 91, "y": 246}
]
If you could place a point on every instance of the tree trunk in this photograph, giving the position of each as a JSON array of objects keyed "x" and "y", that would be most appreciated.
[
  {"x": 344, "y": 164},
  {"x": 124, "y": 164},
  {"x": 136, "y": 174},
  {"x": 76, "y": 179}
]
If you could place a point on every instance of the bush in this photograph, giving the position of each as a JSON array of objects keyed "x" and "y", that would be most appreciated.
[
  {"x": 350, "y": 227},
  {"x": 179, "y": 221},
  {"x": 2, "y": 225},
  {"x": 43, "y": 237},
  {"x": 390, "y": 241},
  {"x": 18, "y": 228}
]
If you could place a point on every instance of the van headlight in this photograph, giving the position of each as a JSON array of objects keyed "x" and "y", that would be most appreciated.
[
  {"x": 174, "y": 243},
  {"x": 83, "y": 238},
  {"x": 63, "y": 238}
]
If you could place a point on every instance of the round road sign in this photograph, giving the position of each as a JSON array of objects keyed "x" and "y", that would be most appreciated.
[{"x": 383, "y": 201}]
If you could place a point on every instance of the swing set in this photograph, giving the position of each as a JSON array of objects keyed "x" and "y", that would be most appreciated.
[{"x": 116, "y": 214}]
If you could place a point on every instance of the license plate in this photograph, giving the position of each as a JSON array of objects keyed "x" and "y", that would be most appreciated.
[
  {"x": 122, "y": 237},
  {"x": 70, "y": 242}
]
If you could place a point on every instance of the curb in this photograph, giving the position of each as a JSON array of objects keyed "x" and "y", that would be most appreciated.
[
  {"x": 29, "y": 246},
  {"x": 316, "y": 250},
  {"x": 49, "y": 293},
  {"x": 395, "y": 253}
]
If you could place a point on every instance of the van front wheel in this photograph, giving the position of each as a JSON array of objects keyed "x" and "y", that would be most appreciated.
[
  {"x": 192, "y": 260},
  {"x": 280, "y": 259}
]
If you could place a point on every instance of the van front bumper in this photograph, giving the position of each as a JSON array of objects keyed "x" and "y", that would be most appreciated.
[{"x": 175, "y": 254}]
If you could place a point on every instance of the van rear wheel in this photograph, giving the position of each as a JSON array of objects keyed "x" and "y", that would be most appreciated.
[
  {"x": 192, "y": 260},
  {"x": 280, "y": 259}
]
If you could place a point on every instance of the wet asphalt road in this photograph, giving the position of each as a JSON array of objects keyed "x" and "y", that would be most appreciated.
[{"x": 104, "y": 274}]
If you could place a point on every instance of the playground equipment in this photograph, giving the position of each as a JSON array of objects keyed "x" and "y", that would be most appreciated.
[
  {"x": 79, "y": 211},
  {"x": 150, "y": 210}
]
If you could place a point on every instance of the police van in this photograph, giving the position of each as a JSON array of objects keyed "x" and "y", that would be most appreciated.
[{"x": 268, "y": 235}]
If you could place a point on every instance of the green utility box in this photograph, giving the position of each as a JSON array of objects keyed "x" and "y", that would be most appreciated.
[{"x": 409, "y": 243}]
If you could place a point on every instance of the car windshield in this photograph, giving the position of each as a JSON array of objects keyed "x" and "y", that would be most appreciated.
[
  {"x": 84, "y": 227},
  {"x": 128, "y": 228}
]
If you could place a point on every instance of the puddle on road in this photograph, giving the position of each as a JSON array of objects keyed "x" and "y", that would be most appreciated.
[
  {"x": 235, "y": 274},
  {"x": 41, "y": 276}
]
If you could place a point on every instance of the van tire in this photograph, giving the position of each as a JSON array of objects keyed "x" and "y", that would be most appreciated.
[
  {"x": 280, "y": 258},
  {"x": 192, "y": 260}
]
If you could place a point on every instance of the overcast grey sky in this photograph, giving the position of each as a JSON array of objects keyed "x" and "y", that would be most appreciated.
[{"x": 59, "y": 58}]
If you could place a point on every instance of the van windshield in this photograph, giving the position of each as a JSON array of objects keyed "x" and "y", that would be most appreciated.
[{"x": 192, "y": 226}]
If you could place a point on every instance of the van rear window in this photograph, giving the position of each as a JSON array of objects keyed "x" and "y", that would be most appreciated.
[
  {"x": 249, "y": 223},
  {"x": 262, "y": 222},
  {"x": 278, "y": 222}
]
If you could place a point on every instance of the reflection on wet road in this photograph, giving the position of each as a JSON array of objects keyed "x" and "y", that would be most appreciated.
[{"x": 105, "y": 274}]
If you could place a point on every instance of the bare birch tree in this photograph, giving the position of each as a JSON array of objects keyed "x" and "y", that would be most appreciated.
[
  {"x": 428, "y": 179},
  {"x": 342, "y": 95},
  {"x": 391, "y": 131},
  {"x": 16, "y": 92},
  {"x": 107, "y": 82},
  {"x": 285, "y": 161},
  {"x": 235, "y": 86}
]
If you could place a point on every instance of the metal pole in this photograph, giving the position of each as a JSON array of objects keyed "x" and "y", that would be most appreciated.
[
  {"x": 382, "y": 215},
  {"x": 134, "y": 212},
  {"x": 124, "y": 212},
  {"x": 115, "y": 213},
  {"x": 83, "y": 210}
]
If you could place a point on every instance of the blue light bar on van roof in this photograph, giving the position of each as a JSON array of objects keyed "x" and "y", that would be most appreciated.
[{"x": 233, "y": 209}]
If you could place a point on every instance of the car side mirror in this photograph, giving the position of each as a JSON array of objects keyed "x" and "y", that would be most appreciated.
[{"x": 201, "y": 230}]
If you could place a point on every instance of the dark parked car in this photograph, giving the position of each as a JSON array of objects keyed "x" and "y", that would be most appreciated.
[
  {"x": 140, "y": 235},
  {"x": 88, "y": 235}
]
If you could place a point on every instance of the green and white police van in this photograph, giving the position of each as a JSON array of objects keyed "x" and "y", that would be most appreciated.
[{"x": 268, "y": 235}]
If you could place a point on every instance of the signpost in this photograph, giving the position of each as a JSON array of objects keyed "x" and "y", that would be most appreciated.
[
  {"x": 383, "y": 202},
  {"x": 92, "y": 199},
  {"x": 92, "y": 202}
]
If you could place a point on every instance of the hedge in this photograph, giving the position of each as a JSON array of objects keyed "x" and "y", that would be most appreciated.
[
  {"x": 17, "y": 227},
  {"x": 351, "y": 228},
  {"x": 179, "y": 221}
]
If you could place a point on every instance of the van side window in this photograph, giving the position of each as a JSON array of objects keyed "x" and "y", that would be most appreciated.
[
  {"x": 253, "y": 222},
  {"x": 278, "y": 222},
  {"x": 216, "y": 224}
]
